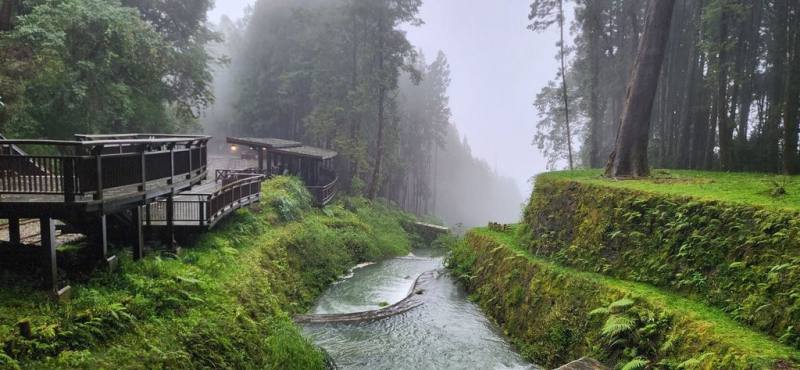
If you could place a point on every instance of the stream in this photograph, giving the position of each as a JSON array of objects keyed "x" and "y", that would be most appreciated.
[{"x": 446, "y": 332}]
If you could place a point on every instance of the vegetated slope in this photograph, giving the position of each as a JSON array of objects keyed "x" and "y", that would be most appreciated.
[
  {"x": 700, "y": 240},
  {"x": 555, "y": 314},
  {"x": 753, "y": 189},
  {"x": 224, "y": 303}
]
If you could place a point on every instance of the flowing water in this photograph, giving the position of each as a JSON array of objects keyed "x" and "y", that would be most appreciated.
[{"x": 446, "y": 332}]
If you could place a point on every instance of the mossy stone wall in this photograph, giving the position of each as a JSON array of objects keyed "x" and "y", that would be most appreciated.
[
  {"x": 742, "y": 259},
  {"x": 555, "y": 315}
]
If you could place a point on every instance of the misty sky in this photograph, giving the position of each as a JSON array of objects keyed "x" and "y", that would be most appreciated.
[{"x": 497, "y": 67}]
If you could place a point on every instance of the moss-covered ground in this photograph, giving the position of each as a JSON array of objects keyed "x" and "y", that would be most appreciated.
[
  {"x": 225, "y": 302},
  {"x": 555, "y": 314},
  {"x": 697, "y": 242},
  {"x": 738, "y": 187}
]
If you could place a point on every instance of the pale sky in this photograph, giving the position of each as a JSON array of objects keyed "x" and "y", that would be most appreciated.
[{"x": 497, "y": 67}]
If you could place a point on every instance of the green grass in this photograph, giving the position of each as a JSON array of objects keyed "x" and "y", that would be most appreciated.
[
  {"x": 735, "y": 187},
  {"x": 722, "y": 327},
  {"x": 226, "y": 302}
]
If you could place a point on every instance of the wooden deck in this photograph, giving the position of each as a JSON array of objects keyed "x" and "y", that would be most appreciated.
[
  {"x": 92, "y": 184},
  {"x": 127, "y": 184}
]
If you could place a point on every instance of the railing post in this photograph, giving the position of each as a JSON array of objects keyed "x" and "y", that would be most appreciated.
[
  {"x": 171, "y": 164},
  {"x": 143, "y": 168},
  {"x": 98, "y": 155},
  {"x": 68, "y": 179},
  {"x": 203, "y": 210},
  {"x": 191, "y": 169}
]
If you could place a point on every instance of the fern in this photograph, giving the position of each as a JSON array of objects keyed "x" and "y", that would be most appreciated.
[
  {"x": 599, "y": 311},
  {"x": 620, "y": 305},
  {"x": 617, "y": 324},
  {"x": 636, "y": 364}
]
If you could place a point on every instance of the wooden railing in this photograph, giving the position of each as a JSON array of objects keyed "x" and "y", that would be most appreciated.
[
  {"x": 100, "y": 165},
  {"x": 206, "y": 209},
  {"x": 324, "y": 193}
]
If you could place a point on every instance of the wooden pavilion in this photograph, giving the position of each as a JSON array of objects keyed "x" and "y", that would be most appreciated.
[{"x": 284, "y": 157}]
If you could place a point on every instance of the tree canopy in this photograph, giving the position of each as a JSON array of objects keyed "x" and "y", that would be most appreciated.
[{"x": 91, "y": 66}]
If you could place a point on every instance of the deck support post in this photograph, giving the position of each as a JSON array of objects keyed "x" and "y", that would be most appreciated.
[
  {"x": 260, "y": 160},
  {"x": 99, "y": 238},
  {"x": 13, "y": 231},
  {"x": 138, "y": 234},
  {"x": 169, "y": 238},
  {"x": 49, "y": 244}
]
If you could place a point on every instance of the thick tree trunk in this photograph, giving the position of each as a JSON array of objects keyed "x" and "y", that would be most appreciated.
[
  {"x": 791, "y": 162},
  {"x": 724, "y": 129},
  {"x": 6, "y": 14},
  {"x": 629, "y": 158},
  {"x": 685, "y": 149}
]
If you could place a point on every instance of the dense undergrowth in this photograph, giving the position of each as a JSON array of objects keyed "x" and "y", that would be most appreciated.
[
  {"x": 555, "y": 314},
  {"x": 225, "y": 302},
  {"x": 742, "y": 258}
]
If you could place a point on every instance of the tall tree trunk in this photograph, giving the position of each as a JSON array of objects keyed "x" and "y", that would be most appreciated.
[
  {"x": 355, "y": 125},
  {"x": 725, "y": 131},
  {"x": 379, "y": 145},
  {"x": 690, "y": 104},
  {"x": 595, "y": 115},
  {"x": 776, "y": 54},
  {"x": 751, "y": 64},
  {"x": 6, "y": 14},
  {"x": 564, "y": 83},
  {"x": 791, "y": 162},
  {"x": 629, "y": 158}
]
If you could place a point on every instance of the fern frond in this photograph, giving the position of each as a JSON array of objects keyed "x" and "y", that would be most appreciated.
[
  {"x": 620, "y": 305},
  {"x": 599, "y": 311},
  {"x": 617, "y": 324},
  {"x": 636, "y": 364}
]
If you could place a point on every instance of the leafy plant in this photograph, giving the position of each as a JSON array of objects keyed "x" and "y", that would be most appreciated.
[{"x": 778, "y": 185}]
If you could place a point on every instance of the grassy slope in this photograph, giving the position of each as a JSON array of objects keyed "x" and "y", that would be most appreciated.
[
  {"x": 225, "y": 303},
  {"x": 748, "y": 188},
  {"x": 721, "y": 250},
  {"x": 719, "y": 333}
]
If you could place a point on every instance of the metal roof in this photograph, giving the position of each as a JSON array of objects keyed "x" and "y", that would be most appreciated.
[
  {"x": 309, "y": 151},
  {"x": 269, "y": 143}
]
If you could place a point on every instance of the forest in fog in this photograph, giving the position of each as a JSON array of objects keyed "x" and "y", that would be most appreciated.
[
  {"x": 342, "y": 75},
  {"x": 728, "y": 92},
  {"x": 336, "y": 74}
]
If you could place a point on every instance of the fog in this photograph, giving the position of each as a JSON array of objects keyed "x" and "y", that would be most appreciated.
[{"x": 496, "y": 67}]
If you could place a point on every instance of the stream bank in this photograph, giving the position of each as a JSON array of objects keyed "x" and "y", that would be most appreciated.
[{"x": 447, "y": 331}]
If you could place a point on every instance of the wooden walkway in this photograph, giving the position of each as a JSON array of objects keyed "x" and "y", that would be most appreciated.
[
  {"x": 128, "y": 183},
  {"x": 100, "y": 183}
]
